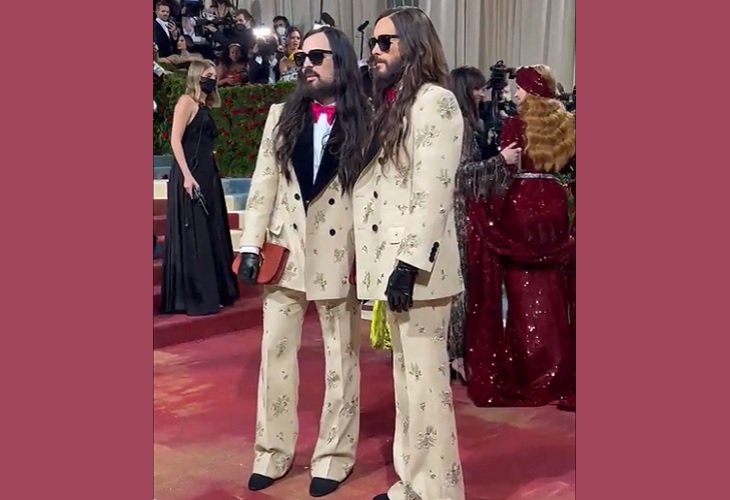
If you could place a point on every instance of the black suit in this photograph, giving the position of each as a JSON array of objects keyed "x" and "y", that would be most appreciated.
[
  {"x": 165, "y": 45},
  {"x": 303, "y": 163},
  {"x": 260, "y": 72}
]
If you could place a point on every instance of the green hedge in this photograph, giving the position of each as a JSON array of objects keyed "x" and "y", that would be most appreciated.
[{"x": 240, "y": 121}]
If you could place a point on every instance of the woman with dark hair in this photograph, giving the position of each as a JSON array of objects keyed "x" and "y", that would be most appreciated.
[
  {"x": 183, "y": 55},
  {"x": 468, "y": 85},
  {"x": 233, "y": 67},
  {"x": 523, "y": 238},
  {"x": 287, "y": 68}
]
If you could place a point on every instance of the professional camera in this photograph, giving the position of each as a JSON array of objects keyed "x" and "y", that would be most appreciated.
[
  {"x": 498, "y": 106},
  {"x": 499, "y": 75},
  {"x": 568, "y": 100},
  {"x": 228, "y": 22}
]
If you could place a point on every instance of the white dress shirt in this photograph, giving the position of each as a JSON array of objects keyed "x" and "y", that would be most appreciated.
[
  {"x": 321, "y": 131},
  {"x": 164, "y": 26}
]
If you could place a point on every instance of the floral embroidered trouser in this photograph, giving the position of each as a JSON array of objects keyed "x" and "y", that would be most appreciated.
[
  {"x": 425, "y": 447},
  {"x": 276, "y": 419}
]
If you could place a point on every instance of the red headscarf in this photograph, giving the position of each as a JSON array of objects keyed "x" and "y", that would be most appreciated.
[{"x": 532, "y": 81}]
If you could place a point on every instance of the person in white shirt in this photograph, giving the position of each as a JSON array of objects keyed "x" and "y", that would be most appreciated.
[{"x": 311, "y": 154}]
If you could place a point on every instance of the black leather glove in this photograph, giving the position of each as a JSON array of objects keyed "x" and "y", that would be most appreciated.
[
  {"x": 248, "y": 270},
  {"x": 400, "y": 287}
]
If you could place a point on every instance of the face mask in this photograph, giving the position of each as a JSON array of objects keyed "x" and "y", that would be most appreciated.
[
  {"x": 281, "y": 31},
  {"x": 208, "y": 85}
]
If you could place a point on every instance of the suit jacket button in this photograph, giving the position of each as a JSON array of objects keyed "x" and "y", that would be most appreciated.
[
  {"x": 375, "y": 194},
  {"x": 332, "y": 232},
  {"x": 375, "y": 228},
  {"x": 294, "y": 226},
  {"x": 297, "y": 197},
  {"x": 331, "y": 201}
]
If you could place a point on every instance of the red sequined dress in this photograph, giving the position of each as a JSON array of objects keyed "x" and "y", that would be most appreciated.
[{"x": 521, "y": 238}]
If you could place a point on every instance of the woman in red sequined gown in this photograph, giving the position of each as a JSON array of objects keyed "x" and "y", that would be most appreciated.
[{"x": 523, "y": 239}]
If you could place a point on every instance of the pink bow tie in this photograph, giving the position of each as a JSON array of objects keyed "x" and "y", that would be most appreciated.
[
  {"x": 390, "y": 95},
  {"x": 319, "y": 110}
]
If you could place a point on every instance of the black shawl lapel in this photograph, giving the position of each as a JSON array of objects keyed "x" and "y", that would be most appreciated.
[
  {"x": 328, "y": 166},
  {"x": 302, "y": 160}
]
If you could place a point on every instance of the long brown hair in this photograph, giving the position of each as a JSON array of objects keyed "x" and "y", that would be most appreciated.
[
  {"x": 549, "y": 128},
  {"x": 463, "y": 81},
  {"x": 350, "y": 136},
  {"x": 423, "y": 61}
]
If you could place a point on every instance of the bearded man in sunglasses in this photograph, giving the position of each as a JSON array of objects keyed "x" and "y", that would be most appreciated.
[
  {"x": 311, "y": 153},
  {"x": 405, "y": 239}
]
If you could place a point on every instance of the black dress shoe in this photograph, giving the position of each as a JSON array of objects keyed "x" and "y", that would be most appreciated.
[
  {"x": 382, "y": 496},
  {"x": 259, "y": 482},
  {"x": 320, "y": 487}
]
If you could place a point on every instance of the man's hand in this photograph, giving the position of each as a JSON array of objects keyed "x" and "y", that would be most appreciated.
[
  {"x": 400, "y": 287},
  {"x": 248, "y": 270},
  {"x": 210, "y": 27}
]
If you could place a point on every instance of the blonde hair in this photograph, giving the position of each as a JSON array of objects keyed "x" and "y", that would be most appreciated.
[
  {"x": 549, "y": 127},
  {"x": 192, "y": 83}
]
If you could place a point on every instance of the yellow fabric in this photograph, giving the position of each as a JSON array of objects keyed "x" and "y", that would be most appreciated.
[{"x": 379, "y": 330}]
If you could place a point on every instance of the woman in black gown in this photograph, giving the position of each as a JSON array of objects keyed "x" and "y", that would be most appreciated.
[{"x": 197, "y": 277}]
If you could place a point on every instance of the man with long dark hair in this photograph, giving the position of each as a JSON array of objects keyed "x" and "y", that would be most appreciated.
[
  {"x": 406, "y": 244},
  {"x": 310, "y": 156}
]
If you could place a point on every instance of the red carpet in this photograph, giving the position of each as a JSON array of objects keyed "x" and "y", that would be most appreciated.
[{"x": 205, "y": 400}]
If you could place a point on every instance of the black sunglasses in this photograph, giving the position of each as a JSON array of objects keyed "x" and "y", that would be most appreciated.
[
  {"x": 383, "y": 42},
  {"x": 316, "y": 56}
]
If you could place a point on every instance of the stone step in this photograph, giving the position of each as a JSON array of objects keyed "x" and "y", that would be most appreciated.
[
  {"x": 236, "y": 202},
  {"x": 246, "y": 292},
  {"x": 167, "y": 330},
  {"x": 159, "y": 207},
  {"x": 160, "y": 189}
]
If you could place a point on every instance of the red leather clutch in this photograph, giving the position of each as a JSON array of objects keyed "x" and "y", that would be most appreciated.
[{"x": 273, "y": 263}]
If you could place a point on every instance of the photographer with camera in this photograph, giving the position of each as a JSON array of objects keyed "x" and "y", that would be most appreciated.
[
  {"x": 496, "y": 106},
  {"x": 230, "y": 29},
  {"x": 263, "y": 66}
]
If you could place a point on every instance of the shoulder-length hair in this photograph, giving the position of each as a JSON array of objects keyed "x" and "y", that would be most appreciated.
[
  {"x": 192, "y": 83},
  {"x": 463, "y": 81}
]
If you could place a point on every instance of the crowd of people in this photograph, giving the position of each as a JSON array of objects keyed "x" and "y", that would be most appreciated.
[
  {"x": 392, "y": 189},
  {"x": 243, "y": 51}
]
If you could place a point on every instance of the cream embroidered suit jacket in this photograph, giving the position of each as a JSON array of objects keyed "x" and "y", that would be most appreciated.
[
  {"x": 409, "y": 216},
  {"x": 310, "y": 217}
]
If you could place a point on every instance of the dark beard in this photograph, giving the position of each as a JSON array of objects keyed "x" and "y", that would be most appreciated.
[
  {"x": 319, "y": 91},
  {"x": 391, "y": 77}
]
